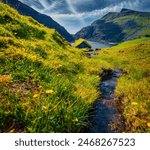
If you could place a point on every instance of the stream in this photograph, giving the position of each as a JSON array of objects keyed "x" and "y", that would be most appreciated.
[{"x": 106, "y": 117}]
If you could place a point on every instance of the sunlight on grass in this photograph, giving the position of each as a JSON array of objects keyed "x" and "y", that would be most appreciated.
[
  {"x": 46, "y": 85},
  {"x": 133, "y": 90}
]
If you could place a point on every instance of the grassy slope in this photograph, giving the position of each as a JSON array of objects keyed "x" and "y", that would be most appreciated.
[
  {"x": 142, "y": 23},
  {"x": 46, "y": 85},
  {"x": 132, "y": 91}
]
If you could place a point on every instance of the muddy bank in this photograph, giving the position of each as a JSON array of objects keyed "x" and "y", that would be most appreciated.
[{"x": 106, "y": 117}]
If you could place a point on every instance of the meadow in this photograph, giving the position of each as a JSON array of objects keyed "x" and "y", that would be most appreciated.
[
  {"x": 133, "y": 87},
  {"x": 46, "y": 85}
]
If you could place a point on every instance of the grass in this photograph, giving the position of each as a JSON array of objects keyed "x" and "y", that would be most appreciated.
[
  {"x": 140, "y": 23},
  {"x": 45, "y": 84},
  {"x": 80, "y": 41},
  {"x": 139, "y": 20},
  {"x": 133, "y": 90},
  {"x": 48, "y": 86}
]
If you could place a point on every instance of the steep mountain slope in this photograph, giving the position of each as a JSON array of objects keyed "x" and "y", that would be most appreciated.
[
  {"x": 43, "y": 19},
  {"x": 118, "y": 27},
  {"x": 44, "y": 82}
]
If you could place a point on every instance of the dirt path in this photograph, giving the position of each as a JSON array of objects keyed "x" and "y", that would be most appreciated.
[{"x": 106, "y": 118}]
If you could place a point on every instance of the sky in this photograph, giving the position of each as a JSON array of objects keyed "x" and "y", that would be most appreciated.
[{"x": 75, "y": 14}]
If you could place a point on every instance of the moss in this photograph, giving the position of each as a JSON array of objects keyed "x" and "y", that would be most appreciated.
[{"x": 79, "y": 41}]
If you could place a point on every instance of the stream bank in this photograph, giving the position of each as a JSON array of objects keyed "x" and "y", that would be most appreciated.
[{"x": 106, "y": 117}]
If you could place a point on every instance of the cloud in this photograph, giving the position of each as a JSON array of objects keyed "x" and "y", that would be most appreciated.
[
  {"x": 98, "y": 12},
  {"x": 74, "y": 11},
  {"x": 49, "y": 7},
  {"x": 75, "y": 14},
  {"x": 89, "y": 16}
]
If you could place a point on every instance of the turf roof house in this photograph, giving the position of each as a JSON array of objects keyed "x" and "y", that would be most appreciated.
[{"x": 82, "y": 43}]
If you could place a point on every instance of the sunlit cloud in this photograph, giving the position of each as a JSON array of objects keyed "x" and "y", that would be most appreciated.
[
  {"x": 74, "y": 11},
  {"x": 111, "y": 8},
  {"x": 75, "y": 14}
]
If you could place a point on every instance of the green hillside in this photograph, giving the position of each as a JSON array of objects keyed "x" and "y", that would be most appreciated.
[
  {"x": 134, "y": 25},
  {"x": 118, "y": 27},
  {"x": 45, "y": 84},
  {"x": 48, "y": 86},
  {"x": 133, "y": 88}
]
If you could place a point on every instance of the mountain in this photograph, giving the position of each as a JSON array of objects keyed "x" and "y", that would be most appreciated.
[
  {"x": 117, "y": 27},
  {"x": 43, "y": 19},
  {"x": 44, "y": 82}
]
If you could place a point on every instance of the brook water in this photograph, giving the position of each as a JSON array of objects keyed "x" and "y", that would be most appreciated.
[{"x": 106, "y": 117}]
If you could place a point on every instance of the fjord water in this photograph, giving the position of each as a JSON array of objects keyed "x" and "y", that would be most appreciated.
[
  {"x": 97, "y": 45},
  {"x": 106, "y": 117}
]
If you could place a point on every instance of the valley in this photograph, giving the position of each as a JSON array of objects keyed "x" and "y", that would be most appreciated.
[{"x": 49, "y": 86}]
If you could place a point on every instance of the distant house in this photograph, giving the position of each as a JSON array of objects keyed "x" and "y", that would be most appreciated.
[{"x": 82, "y": 43}]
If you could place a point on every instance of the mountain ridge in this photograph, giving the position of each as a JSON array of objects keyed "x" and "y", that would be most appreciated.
[
  {"x": 117, "y": 27},
  {"x": 41, "y": 18}
]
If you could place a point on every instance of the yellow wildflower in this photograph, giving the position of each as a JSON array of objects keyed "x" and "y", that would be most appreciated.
[
  {"x": 134, "y": 103},
  {"x": 40, "y": 86},
  {"x": 36, "y": 95},
  {"x": 76, "y": 120},
  {"x": 148, "y": 124},
  {"x": 49, "y": 91},
  {"x": 5, "y": 78},
  {"x": 44, "y": 108},
  {"x": 58, "y": 75}
]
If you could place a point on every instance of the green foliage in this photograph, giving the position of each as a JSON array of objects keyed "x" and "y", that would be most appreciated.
[
  {"x": 140, "y": 24},
  {"x": 48, "y": 86},
  {"x": 132, "y": 92},
  {"x": 18, "y": 26},
  {"x": 80, "y": 41},
  {"x": 45, "y": 84},
  {"x": 4, "y": 32}
]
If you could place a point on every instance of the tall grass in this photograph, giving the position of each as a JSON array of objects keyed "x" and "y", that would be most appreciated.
[
  {"x": 48, "y": 86},
  {"x": 45, "y": 84},
  {"x": 133, "y": 90}
]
